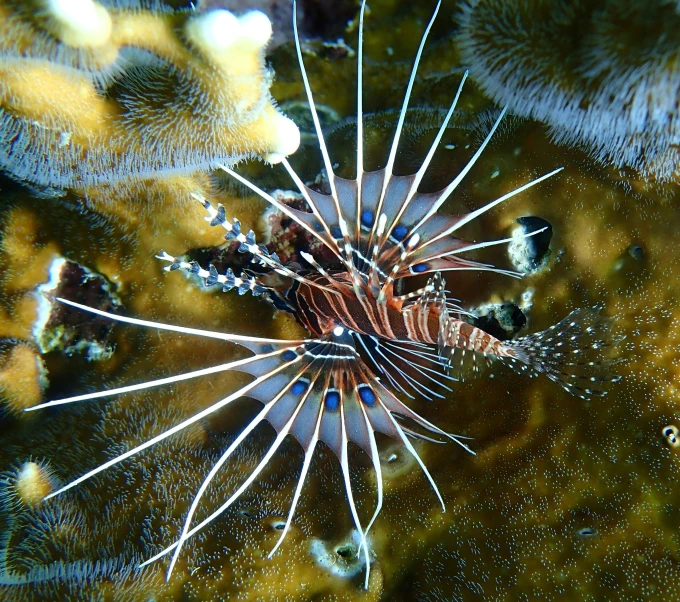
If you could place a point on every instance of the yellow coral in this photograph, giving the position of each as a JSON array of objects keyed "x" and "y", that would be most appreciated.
[
  {"x": 154, "y": 93},
  {"x": 23, "y": 378}
]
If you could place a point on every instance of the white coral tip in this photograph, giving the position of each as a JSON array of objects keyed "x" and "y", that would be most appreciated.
[
  {"x": 273, "y": 158},
  {"x": 79, "y": 22},
  {"x": 214, "y": 30},
  {"x": 286, "y": 139},
  {"x": 255, "y": 28}
]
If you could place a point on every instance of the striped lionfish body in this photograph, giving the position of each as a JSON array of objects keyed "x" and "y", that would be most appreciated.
[
  {"x": 394, "y": 318},
  {"x": 369, "y": 347}
]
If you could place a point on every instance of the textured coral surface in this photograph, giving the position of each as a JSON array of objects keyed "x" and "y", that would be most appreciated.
[
  {"x": 604, "y": 74},
  {"x": 129, "y": 103},
  {"x": 565, "y": 499}
]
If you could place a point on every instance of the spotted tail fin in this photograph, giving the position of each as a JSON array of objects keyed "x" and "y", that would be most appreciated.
[{"x": 575, "y": 353}]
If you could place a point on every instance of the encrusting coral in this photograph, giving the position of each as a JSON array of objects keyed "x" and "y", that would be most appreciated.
[
  {"x": 603, "y": 74},
  {"x": 565, "y": 500},
  {"x": 23, "y": 377}
]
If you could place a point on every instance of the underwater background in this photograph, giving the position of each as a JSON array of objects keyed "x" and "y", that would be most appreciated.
[{"x": 565, "y": 499}]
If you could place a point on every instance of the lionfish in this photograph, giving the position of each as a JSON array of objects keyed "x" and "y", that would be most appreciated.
[{"x": 329, "y": 388}]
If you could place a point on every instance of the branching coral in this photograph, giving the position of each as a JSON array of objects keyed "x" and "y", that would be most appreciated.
[
  {"x": 603, "y": 74},
  {"x": 93, "y": 94}
]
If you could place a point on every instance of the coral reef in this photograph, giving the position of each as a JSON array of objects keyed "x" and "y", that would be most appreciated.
[
  {"x": 564, "y": 499},
  {"x": 604, "y": 74}
]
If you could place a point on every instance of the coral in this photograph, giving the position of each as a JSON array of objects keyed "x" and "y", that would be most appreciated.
[
  {"x": 604, "y": 75},
  {"x": 129, "y": 103},
  {"x": 670, "y": 433},
  {"x": 503, "y": 320},
  {"x": 342, "y": 558},
  {"x": 529, "y": 254},
  {"x": 317, "y": 18},
  {"x": 94, "y": 95},
  {"x": 58, "y": 328},
  {"x": 28, "y": 484},
  {"x": 565, "y": 500},
  {"x": 23, "y": 376}
]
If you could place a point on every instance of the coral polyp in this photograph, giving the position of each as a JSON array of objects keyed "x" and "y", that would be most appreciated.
[{"x": 23, "y": 376}]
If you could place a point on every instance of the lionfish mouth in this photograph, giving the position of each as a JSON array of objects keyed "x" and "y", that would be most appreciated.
[{"x": 328, "y": 388}]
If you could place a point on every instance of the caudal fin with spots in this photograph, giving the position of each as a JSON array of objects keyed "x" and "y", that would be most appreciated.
[{"x": 575, "y": 353}]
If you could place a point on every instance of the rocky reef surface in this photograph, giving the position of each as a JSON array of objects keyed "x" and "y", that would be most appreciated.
[{"x": 565, "y": 499}]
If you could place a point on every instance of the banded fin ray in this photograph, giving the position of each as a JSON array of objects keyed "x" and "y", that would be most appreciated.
[{"x": 349, "y": 405}]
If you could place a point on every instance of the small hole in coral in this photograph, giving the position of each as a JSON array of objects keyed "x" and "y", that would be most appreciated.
[
  {"x": 392, "y": 458},
  {"x": 247, "y": 512},
  {"x": 346, "y": 551},
  {"x": 637, "y": 252},
  {"x": 587, "y": 532},
  {"x": 279, "y": 525},
  {"x": 671, "y": 432}
]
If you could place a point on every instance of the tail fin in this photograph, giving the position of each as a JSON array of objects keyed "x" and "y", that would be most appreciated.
[{"x": 575, "y": 353}]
